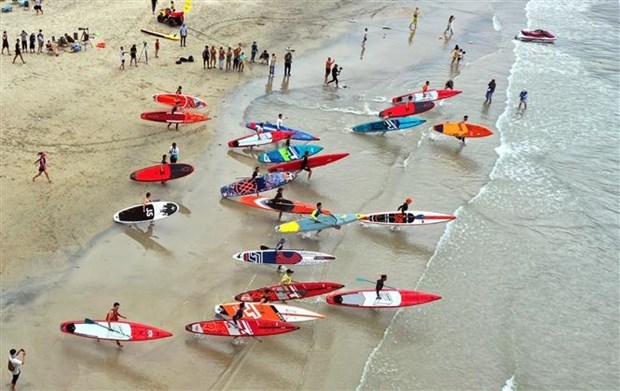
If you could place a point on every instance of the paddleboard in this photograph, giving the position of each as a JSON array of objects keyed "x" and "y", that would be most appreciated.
[
  {"x": 115, "y": 331},
  {"x": 388, "y": 125},
  {"x": 262, "y": 183},
  {"x": 268, "y": 311},
  {"x": 314, "y": 161},
  {"x": 293, "y": 291},
  {"x": 182, "y": 101},
  {"x": 410, "y": 218},
  {"x": 390, "y": 298},
  {"x": 297, "y": 134},
  {"x": 282, "y": 205},
  {"x": 243, "y": 328},
  {"x": 462, "y": 130},
  {"x": 139, "y": 213},
  {"x": 406, "y": 109},
  {"x": 289, "y": 154},
  {"x": 162, "y": 172},
  {"x": 431, "y": 95},
  {"x": 183, "y": 117},
  {"x": 284, "y": 257},
  {"x": 173, "y": 37},
  {"x": 254, "y": 140},
  {"x": 324, "y": 222}
]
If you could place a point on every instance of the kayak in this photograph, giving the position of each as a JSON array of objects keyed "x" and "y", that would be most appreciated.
[
  {"x": 113, "y": 331},
  {"x": 182, "y": 101},
  {"x": 462, "y": 130},
  {"x": 314, "y": 161},
  {"x": 390, "y": 298},
  {"x": 297, "y": 134},
  {"x": 295, "y": 290},
  {"x": 254, "y": 140},
  {"x": 183, "y": 117},
  {"x": 430, "y": 96},
  {"x": 406, "y": 109},
  {"x": 150, "y": 212},
  {"x": 388, "y": 125},
  {"x": 243, "y": 328},
  {"x": 536, "y": 36},
  {"x": 262, "y": 183},
  {"x": 282, "y": 205},
  {"x": 269, "y": 311},
  {"x": 284, "y": 257},
  {"x": 162, "y": 172},
  {"x": 324, "y": 222},
  {"x": 173, "y": 37},
  {"x": 289, "y": 154},
  {"x": 414, "y": 217}
]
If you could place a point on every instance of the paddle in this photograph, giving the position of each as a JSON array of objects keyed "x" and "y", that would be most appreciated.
[
  {"x": 336, "y": 225},
  {"x": 220, "y": 316},
  {"x": 90, "y": 321},
  {"x": 263, "y": 247},
  {"x": 372, "y": 282}
]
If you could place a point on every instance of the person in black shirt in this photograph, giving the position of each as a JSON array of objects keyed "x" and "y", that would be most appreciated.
[
  {"x": 239, "y": 314},
  {"x": 379, "y": 285},
  {"x": 404, "y": 207},
  {"x": 490, "y": 91},
  {"x": 304, "y": 165},
  {"x": 18, "y": 52},
  {"x": 335, "y": 73}
]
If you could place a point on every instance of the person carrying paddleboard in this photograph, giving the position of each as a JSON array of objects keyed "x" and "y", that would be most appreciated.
[
  {"x": 265, "y": 298},
  {"x": 425, "y": 88},
  {"x": 42, "y": 167},
  {"x": 254, "y": 178},
  {"x": 146, "y": 201},
  {"x": 114, "y": 316},
  {"x": 319, "y": 211},
  {"x": 278, "y": 198},
  {"x": 304, "y": 164},
  {"x": 463, "y": 127},
  {"x": 277, "y": 249},
  {"x": 175, "y": 109},
  {"x": 286, "y": 278},
  {"x": 164, "y": 163},
  {"x": 405, "y": 206},
  {"x": 379, "y": 285}
]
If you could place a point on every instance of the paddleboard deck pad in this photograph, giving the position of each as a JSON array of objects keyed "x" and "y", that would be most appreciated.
[
  {"x": 293, "y": 291},
  {"x": 152, "y": 211},
  {"x": 243, "y": 328},
  {"x": 284, "y": 257}
]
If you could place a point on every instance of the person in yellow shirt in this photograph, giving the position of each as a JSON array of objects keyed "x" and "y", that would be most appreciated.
[{"x": 286, "y": 278}]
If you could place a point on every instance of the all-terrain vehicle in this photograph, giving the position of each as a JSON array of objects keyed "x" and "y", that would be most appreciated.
[{"x": 170, "y": 18}]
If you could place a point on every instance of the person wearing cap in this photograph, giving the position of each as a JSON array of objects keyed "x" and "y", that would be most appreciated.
[
  {"x": 286, "y": 278},
  {"x": 404, "y": 207},
  {"x": 379, "y": 285}
]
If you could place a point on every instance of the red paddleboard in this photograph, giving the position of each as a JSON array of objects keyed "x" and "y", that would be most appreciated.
[
  {"x": 431, "y": 95},
  {"x": 390, "y": 298},
  {"x": 282, "y": 205},
  {"x": 254, "y": 140},
  {"x": 462, "y": 130},
  {"x": 114, "y": 331},
  {"x": 183, "y": 101},
  {"x": 176, "y": 118},
  {"x": 162, "y": 172},
  {"x": 243, "y": 328},
  {"x": 296, "y": 290},
  {"x": 314, "y": 161},
  {"x": 406, "y": 109}
]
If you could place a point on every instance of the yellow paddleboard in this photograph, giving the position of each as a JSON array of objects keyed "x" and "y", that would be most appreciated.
[{"x": 173, "y": 37}]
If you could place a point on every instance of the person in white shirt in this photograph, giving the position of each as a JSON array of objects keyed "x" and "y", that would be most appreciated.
[
  {"x": 15, "y": 365},
  {"x": 174, "y": 153},
  {"x": 279, "y": 122}
]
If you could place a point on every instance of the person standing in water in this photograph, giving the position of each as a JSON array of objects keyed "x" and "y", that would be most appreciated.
[
  {"x": 379, "y": 285},
  {"x": 328, "y": 68},
  {"x": 523, "y": 100},
  {"x": 277, "y": 199},
  {"x": 425, "y": 88},
  {"x": 490, "y": 91},
  {"x": 114, "y": 316},
  {"x": 279, "y": 122},
  {"x": 304, "y": 164},
  {"x": 288, "y": 61},
  {"x": 463, "y": 126},
  {"x": 272, "y": 65},
  {"x": 414, "y": 22},
  {"x": 450, "y": 27},
  {"x": 42, "y": 161},
  {"x": 365, "y": 38},
  {"x": 335, "y": 73},
  {"x": 279, "y": 247}
]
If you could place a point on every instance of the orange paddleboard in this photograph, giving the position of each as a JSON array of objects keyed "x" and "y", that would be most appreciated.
[{"x": 462, "y": 130}]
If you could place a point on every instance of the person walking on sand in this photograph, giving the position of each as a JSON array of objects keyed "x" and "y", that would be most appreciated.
[
  {"x": 24, "y": 36},
  {"x": 37, "y": 7},
  {"x": 205, "y": 58},
  {"x": 328, "y": 68},
  {"x": 272, "y": 65},
  {"x": 174, "y": 153},
  {"x": 463, "y": 127},
  {"x": 162, "y": 167},
  {"x": 288, "y": 61},
  {"x": 236, "y": 55},
  {"x": 113, "y": 315},
  {"x": 221, "y": 58},
  {"x": 449, "y": 85},
  {"x": 5, "y": 43},
  {"x": 523, "y": 100},
  {"x": 425, "y": 88},
  {"x": 32, "y": 39},
  {"x": 40, "y": 41},
  {"x": 242, "y": 59},
  {"x": 15, "y": 364},
  {"x": 229, "y": 55},
  {"x": 379, "y": 285},
  {"x": 175, "y": 110},
  {"x": 156, "y": 47},
  {"x": 122, "y": 58},
  {"x": 133, "y": 54},
  {"x": 146, "y": 200},
  {"x": 287, "y": 278},
  {"x": 179, "y": 90},
  {"x": 450, "y": 27},
  {"x": 153, "y": 5},
  {"x": 42, "y": 161},
  {"x": 183, "y": 34},
  {"x": 335, "y": 73},
  {"x": 254, "y": 52},
  {"x": 18, "y": 52},
  {"x": 414, "y": 23},
  {"x": 305, "y": 166},
  {"x": 490, "y": 91}
]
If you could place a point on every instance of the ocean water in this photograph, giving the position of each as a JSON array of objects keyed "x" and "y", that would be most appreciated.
[{"x": 530, "y": 267}]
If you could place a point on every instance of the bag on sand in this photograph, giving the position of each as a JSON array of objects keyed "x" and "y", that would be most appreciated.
[
  {"x": 183, "y": 59},
  {"x": 11, "y": 367}
]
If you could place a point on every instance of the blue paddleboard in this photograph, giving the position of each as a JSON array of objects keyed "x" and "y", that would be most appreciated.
[
  {"x": 389, "y": 125},
  {"x": 283, "y": 155}
]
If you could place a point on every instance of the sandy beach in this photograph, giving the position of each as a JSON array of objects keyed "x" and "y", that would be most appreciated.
[{"x": 63, "y": 258}]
